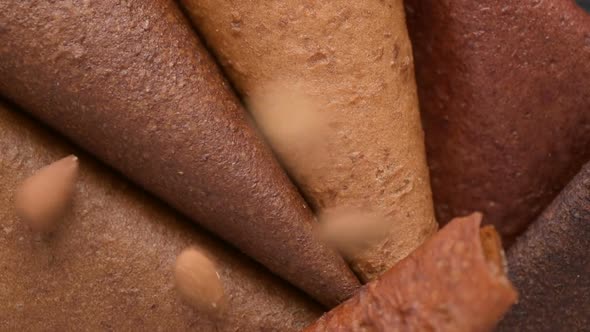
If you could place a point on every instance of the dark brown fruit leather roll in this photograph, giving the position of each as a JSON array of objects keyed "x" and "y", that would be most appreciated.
[
  {"x": 455, "y": 281},
  {"x": 504, "y": 95},
  {"x": 130, "y": 82},
  {"x": 109, "y": 264},
  {"x": 550, "y": 266}
]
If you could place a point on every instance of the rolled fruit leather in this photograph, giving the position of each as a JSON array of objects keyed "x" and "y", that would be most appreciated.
[
  {"x": 352, "y": 60},
  {"x": 504, "y": 97},
  {"x": 550, "y": 266},
  {"x": 109, "y": 263},
  {"x": 455, "y": 281},
  {"x": 130, "y": 82}
]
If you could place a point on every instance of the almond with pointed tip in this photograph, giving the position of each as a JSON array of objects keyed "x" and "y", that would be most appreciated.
[
  {"x": 198, "y": 282},
  {"x": 43, "y": 198}
]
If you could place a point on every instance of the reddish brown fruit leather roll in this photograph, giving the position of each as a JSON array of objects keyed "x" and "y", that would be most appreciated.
[
  {"x": 353, "y": 60},
  {"x": 504, "y": 96},
  {"x": 454, "y": 282},
  {"x": 130, "y": 82},
  {"x": 549, "y": 265},
  {"x": 108, "y": 265}
]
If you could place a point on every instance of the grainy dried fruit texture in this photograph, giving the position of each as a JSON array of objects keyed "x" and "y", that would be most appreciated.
[
  {"x": 453, "y": 282},
  {"x": 353, "y": 61},
  {"x": 504, "y": 96},
  {"x": 109, "y": 264},
  {"x": 549, "y": 264},
  {"x": 130, "y": 82}
]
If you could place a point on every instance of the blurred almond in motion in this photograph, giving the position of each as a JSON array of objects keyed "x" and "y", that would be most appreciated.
[
  {"x": 350, "y": 230},
  {"x": 198, "y": 281},
  {"x": 43, "y": 198},
  {"x": 292, "y": 123}
]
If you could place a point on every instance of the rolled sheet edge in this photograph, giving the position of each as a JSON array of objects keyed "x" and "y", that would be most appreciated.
[{"x": 450, "y": 283}]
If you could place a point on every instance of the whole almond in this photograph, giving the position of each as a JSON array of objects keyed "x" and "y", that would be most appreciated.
[
  {"x": 351, "y": 230},
  {"x": 42, "y": 199},
  {"x": 198, "y": 281}
]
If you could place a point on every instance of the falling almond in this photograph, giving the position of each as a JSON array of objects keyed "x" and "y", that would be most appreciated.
[
  {"x": 198, "y": 282},
  {"x": 351, "y": 231},
  {"x": 291, "y": 121},
  {"x": 43, "y": 198}
]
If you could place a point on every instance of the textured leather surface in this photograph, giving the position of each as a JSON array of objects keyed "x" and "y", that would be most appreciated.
[
  {"x": 445, "y": 285},
  {"x": 505, "y": 102},
  {"x": 353, "y": 59},
  {"x": 130, "y": 82},
  {"x": 550, "y": 266},
  {"x": 108, "y": 265}
]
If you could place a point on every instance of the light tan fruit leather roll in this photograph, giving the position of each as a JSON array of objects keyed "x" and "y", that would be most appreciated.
[
  {"x": 130, "y": 82},
  {"x": 109, "y": 264},
  {"x": 456, "y": 281},
  {"x": 352, "y": 63}
]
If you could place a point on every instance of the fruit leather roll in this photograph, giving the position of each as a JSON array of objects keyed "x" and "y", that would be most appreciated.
[
  {"x": 455, "y": 281},
  {"x": 130, "y": 82},
  {"x": 348, "y": 65},
  {"x": 549, "y": 264},
  {"x": 108, "y": 265},
  {"x": 504, "y": 95}
]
